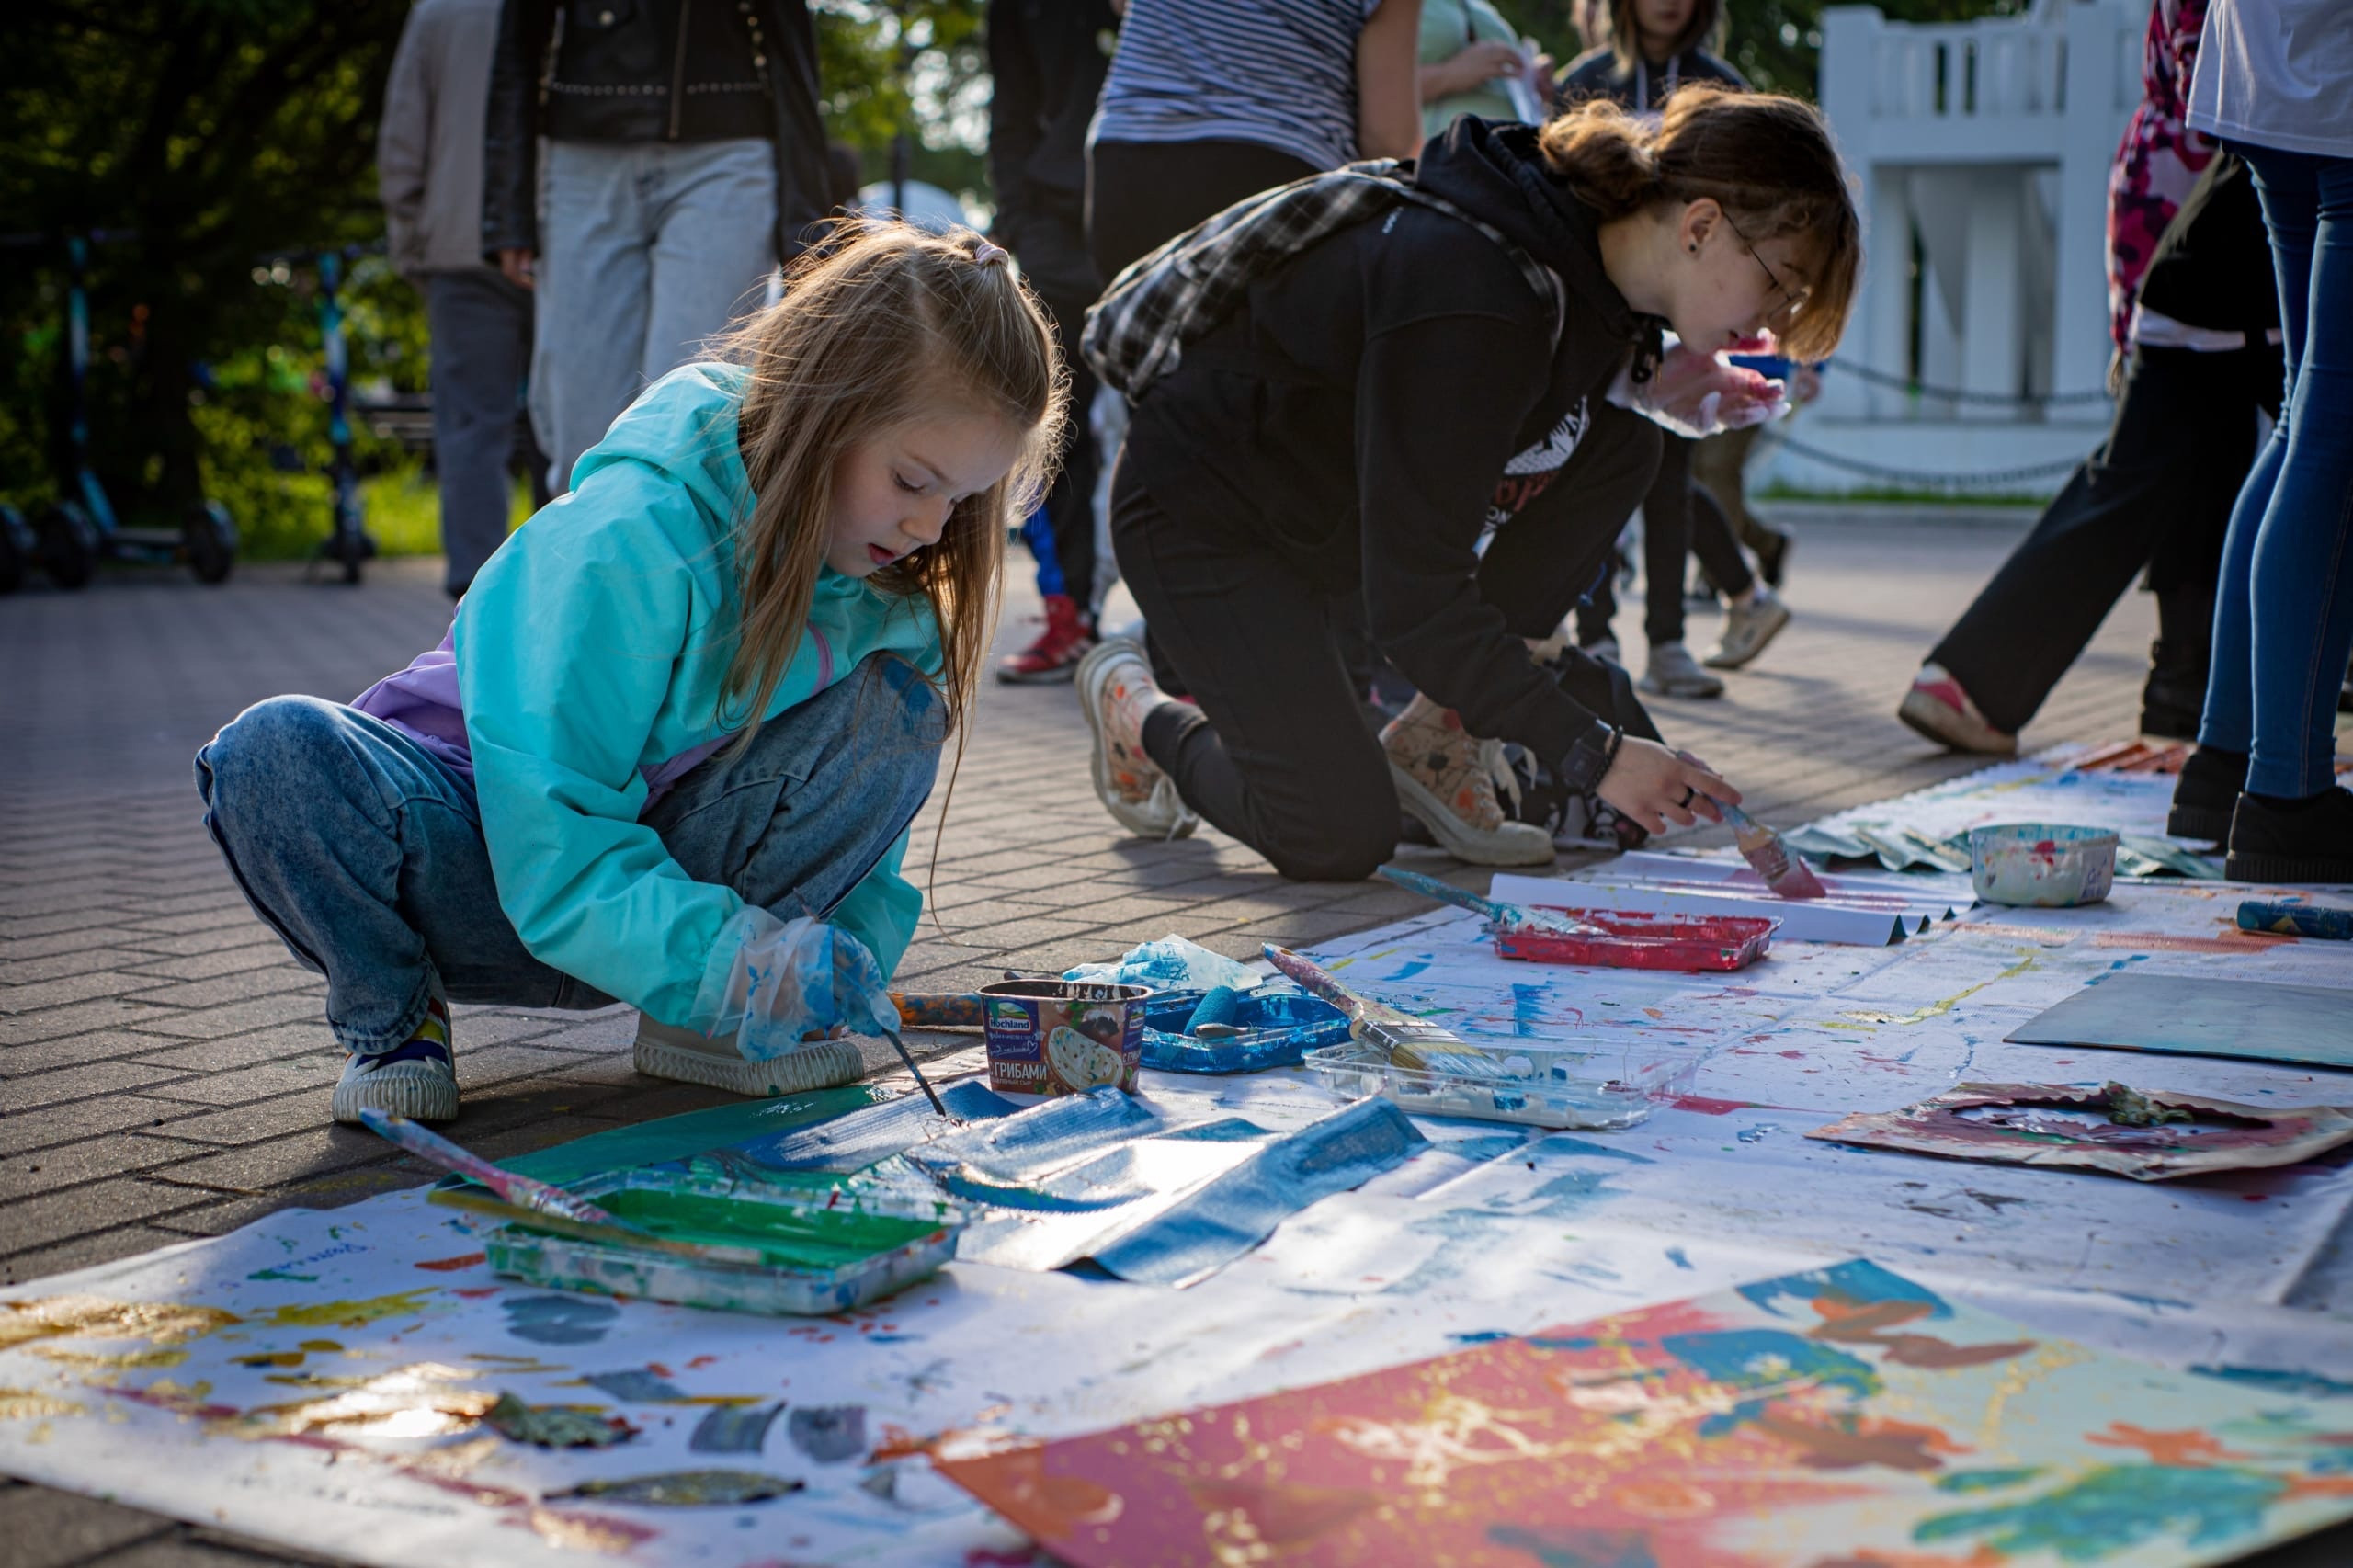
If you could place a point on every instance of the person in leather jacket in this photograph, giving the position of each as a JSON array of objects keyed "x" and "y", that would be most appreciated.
[{"x": 685, "y": 158}]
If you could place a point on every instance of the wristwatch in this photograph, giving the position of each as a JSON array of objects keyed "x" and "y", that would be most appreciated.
[{"x": 1586, "y": 763}]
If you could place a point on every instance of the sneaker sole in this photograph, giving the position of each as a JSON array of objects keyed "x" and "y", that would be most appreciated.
[
  {"x": 2208, "y": 825},
  {"x": 1684, "y": 693},
  {"x": 1136, "y": 819},
  {"x": 2238, "y": 867},
  {"x": 1530, "y": 846},
  {"x": 820, "y": 1064},
  {"x": 1933, "y": 721},
  {"x": 1720, "y": 660},
  {"x": 419, "y": 1094}
]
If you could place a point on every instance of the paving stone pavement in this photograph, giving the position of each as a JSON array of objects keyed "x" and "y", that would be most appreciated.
[{"x": 165, "y": 1067}]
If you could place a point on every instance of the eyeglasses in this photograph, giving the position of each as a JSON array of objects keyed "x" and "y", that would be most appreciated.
[{"x": 1792, "y": 302}]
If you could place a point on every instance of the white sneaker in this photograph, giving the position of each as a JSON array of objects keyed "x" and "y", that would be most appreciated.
[
  {"x": 683, "y": 1056},
  {"x": 1140, "y": 797},
  {"x": 1748, "y": 627},
  {"x": 1673, "y": 672},
  {"x": 417, "y": 1079},
  {"x": 1453, "y": 783},
  {"x": 1937, "y": 707}
]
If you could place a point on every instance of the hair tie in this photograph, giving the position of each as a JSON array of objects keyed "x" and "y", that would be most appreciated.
[{"x": 987, "y": 255}]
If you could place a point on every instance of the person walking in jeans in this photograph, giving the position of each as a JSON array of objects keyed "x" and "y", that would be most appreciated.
[
  {"x": 429, "y": 173},
  {"x": 2275, "y": 83},
  {"x": 684, "y": 160}
]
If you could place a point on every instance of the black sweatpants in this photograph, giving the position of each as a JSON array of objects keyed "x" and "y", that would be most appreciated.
[
  {"x": 2158, "y": 493},
  {"x": 1678, "y": 519},
  {"x": 1141, "y": 195},
  {"x": 1070, "y": 505},
  {"x": 1280, "y": 752}
]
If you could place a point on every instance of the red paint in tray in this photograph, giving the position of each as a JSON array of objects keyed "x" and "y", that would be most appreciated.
[{"x": 1688, "y": 943}]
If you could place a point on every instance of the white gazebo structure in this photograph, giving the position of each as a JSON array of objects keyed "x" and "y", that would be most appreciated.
[{"x": 1980, "y": 151}]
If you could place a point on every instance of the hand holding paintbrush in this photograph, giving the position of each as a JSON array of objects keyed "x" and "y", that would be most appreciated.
[{"x": 1656, "y": 787}]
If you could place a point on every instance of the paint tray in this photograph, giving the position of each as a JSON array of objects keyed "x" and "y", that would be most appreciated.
[
  {"x": 1618, "y": 1086},
  {"x": 824, "y": 1255},
  {"x": 1278, "y": 1027},
  {"x": 1688, "y": 944}
]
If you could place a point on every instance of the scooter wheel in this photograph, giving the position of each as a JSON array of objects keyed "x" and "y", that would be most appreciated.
[
  {"x": 17, "y": 549},
  {"x": 69, "y": 544},
  {"x": 212, "y": 539}
]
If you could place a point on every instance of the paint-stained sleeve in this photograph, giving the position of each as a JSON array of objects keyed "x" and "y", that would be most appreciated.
[{"x": 1439, "y": 400}]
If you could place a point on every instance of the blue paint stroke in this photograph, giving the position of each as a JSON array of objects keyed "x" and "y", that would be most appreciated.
[
  {"x": 637, "y": 1386},
  {"x": 559, "y": 1320},
  {"x": 1753, "y": 1134},
  {"x": 1480, "y": 1336},
  {"x": 828, "y": 1434},
  {"x": 1986, "y": 1480},
  {"x": 1014, "y": 1150},
  {"x": 859, "y": 1138},
  {"x": 1857, "y": 1282},
  {"x": 2116, "y": 1508},
  {"x": 1675, "y": 1256},
  {"x": 1528, "y": 1008},
  {"x": 2281, "y": 1380},
  {"x": 1578, "y": 1549},
  {"x": 734, "y": 1429}
]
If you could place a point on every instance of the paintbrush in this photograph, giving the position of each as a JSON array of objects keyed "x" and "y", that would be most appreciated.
[
  {"x": 1765, "y": 850},
  {"x": 921, "y": 1082},
  {"x": 1410, "y": 1041},
  {"x": 1506, "y": 917},
  {"x": 534, "y": 1202}
]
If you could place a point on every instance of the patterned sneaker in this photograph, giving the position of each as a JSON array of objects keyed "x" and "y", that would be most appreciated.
[
  {"x": 1938, "y": 708},
  {"x": 1673, "y": 672},
  {"x": 1748, "y": 627},
  {"x": 1454, "y": 785},
  {"x": 417, "y": 1079},
  {"x": 1114, "y": 691},
  {"x": 1054, "y": 656},
  {"x": 683, "y": 1056}
]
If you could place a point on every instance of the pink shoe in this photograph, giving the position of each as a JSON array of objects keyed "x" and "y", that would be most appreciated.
[{"x": 1937, "y": 707}]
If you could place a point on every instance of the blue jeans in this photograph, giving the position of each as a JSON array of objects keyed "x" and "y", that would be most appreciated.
[
  {"x": 364, "y": 851},
  {"x": 2283, "y": 614},
  {"x": 647, "y": 248}
]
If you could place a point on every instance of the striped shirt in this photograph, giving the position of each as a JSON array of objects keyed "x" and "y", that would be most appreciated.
[{"x": 1280, "y": 74}]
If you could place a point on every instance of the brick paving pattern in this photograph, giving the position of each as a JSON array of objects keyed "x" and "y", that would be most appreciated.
[{"x": 165, "y": 1067}]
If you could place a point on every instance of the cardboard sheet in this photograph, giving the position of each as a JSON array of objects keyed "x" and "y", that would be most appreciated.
[{"x": 2203, "y": 1016}]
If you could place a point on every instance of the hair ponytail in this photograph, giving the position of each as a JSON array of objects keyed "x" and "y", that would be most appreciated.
[{"x": 1765, "y": 159}]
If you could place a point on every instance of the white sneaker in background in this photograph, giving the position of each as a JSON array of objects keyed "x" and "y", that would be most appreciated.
[{"x": 1673, "y": 672}]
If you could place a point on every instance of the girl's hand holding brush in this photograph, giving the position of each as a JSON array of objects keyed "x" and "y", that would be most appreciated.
[{"x": 1655, "y": 786}]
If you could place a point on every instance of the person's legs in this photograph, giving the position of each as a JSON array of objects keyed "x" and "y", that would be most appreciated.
[
  {"x": 1278, "y": 753},
  {"x": 1140, "y": 195},
  {"x": 711, "y": 216},
  {"x": 2293, "y": 822},
  {"x": 1069, "y": 628},
  {"x": 1715, "y": 544},
  {"x": 1670, "y": 670},
  {"x": 590, "y": 298},
  {"x": 481, "y": 337}
]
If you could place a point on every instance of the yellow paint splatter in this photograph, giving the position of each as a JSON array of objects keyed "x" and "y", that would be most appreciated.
[
  {"x": 352, "y": 1314},
  {"x": 577, "y": 1532},
  {"x": 96, "y": 1317},
  {"x": 121, "y": 1360},
  {"x": 28, "y": 1404},
  {"x": 2026, "y": 961},
  {"x": 426, "y": 1400}
]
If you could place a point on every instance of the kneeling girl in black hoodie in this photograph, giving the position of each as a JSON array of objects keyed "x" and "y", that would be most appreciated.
[{"x": 1417, "y": 407}]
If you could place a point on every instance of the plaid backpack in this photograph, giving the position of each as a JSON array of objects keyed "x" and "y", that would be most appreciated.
[{"x": 1136, "y": 332}]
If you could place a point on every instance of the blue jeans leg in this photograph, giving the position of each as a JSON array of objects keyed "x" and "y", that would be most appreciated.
[
  {"x": 364, "y": 852},
  {"x": 2286, "y": 600}
]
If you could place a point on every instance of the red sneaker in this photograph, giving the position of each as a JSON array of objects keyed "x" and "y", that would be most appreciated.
[{"x": 1055, "y": 654}]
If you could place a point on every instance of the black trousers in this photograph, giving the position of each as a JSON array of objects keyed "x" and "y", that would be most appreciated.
[
  {"x": 1678, "y": 519},
  {"x": 1280, "y": 752},
  {"x": 2157, "y": 493},
  {"x": 1141, "y": 195},
  {"x": 1070, "y": 505}
]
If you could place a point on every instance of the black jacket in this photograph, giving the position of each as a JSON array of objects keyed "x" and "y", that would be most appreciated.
[
  {"x": 1598, "y": 74},
  {"x": 2213, "y": 267},
  {"x": 1361, "y": 410},
  {"x": 1047, "y": 59},
  {"x": 650, "y": 71}
]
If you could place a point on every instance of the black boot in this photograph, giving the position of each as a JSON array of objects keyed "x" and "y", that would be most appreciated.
[
  {"x": 2307, "y": 840},
  {"x": 2175, "y": 696},
  {"x": 2206, "y": 794}
]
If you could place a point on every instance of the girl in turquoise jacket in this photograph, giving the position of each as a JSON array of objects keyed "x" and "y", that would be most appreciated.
[{"x": 668, "y": 752}]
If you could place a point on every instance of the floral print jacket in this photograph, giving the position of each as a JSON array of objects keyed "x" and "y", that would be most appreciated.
[{"x": 2159, "y": 159}]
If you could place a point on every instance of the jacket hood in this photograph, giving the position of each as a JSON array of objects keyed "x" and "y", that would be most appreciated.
[{"x": 1495, "y": 172}]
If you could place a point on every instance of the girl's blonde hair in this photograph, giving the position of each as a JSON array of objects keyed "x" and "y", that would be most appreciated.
[
  {"x": 1767, "y": 160},
  {"x": 880, "y": 324}
]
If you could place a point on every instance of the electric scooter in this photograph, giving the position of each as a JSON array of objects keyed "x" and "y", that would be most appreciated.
[{"x": 79, "y": 529}]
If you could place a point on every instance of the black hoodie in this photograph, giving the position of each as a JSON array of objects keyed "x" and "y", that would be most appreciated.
[{"x": 1382, "y": 398}]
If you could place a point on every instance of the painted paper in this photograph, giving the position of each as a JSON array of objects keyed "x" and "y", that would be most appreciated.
[
  {"x": 1844, "y": 1416},
  {"x": 2146, "y": 1136},
  {"x": 2202, "y": 1018}
]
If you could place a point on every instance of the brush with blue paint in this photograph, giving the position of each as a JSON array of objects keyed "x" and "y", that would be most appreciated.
[
  {"x": 2285, "y": 918},
  {"x": 1506, "y": 918},
  {"x": 1410, "y": 1041}
]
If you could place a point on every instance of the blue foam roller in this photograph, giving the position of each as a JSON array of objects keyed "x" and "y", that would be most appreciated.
[{"x": 1219, "y": 1005}]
